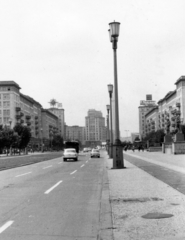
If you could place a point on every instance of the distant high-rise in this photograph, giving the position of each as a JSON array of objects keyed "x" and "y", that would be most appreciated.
[{"x": 95, "y": 127}]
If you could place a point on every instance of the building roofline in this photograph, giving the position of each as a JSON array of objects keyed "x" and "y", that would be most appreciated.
[
  {"x": 10, "y": 83},
  {"x": 30, "y": 99},
  {"x": 182, "y": 78},
  {"x": 152, "y": 110},
  {"x": 167, "y": 96},
  {"x": 47, "y": 111}
]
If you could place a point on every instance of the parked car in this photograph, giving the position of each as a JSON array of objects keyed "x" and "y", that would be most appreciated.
[
  {"x": 95, "y": 153},
  {"x": 70, "y": 153}
]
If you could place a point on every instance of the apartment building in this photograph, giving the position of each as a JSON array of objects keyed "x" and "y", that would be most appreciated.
[
  {"x": 50, "y": 124},
  {"x": 75, "y": 133},
  {"x": 170, "y": 110},
  {"x": 95, "y": 127},
  {"x": 59, "y": 112},
  {"x": 16, "y": 107}
]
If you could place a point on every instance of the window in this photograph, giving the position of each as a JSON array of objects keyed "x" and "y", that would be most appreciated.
[
  {"x": 6, "y": 112},
  {"x": 6, "y": 104},
  {"x": 6, "y": 96}
]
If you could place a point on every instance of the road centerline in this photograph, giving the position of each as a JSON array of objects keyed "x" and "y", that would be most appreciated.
[
  {"x": 50, "y": 189},
  {"x": 82, "y": 165},
  {"x": 23, "y": 174}
]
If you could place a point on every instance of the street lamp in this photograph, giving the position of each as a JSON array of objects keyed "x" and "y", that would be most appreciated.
[
  {"x": 117, "y": 148},
  {"x": 51, "y": 137},
  {"x": 108, "y": 131},
  {"x": 110, "y": 90},
  {"x": 42, "y": 147}
]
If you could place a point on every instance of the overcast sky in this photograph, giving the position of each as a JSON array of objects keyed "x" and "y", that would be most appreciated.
[{"x": 60, "y": 49}]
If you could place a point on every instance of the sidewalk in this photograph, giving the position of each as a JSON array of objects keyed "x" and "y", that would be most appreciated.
[{"x": 135, "y": 193}]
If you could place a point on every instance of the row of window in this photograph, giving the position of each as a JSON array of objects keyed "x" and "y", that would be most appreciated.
[
  {"x": 5, "y": 112},
  {"x": 4, "y": 120},
  {"x": 5, "y": 96},
  {"x": 5, "y": 104}
]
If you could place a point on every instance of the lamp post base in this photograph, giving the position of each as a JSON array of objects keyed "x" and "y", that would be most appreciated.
[
  {"x": 110, "y": 151},
  {"x": 118, "y": 156}
]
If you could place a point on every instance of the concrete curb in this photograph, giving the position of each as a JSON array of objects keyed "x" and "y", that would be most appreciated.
[{"x": 106, "y": 224}]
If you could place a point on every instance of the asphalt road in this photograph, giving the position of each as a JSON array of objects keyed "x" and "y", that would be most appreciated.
[{"x": 52, "y": 200}]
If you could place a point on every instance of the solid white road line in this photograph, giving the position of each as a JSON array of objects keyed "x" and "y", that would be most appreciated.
[
  {"x": 60, "y": 162},
  {"x": 23, "y": 174},
  {"x": 5, "y": 226},
  {"x": 73, "y": 172},
  {"x": 47, "y": 167},
  {"x": 49, "y": 190},
  {"x": 82, "y": 165}
]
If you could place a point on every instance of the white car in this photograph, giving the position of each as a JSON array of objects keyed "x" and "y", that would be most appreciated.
[
  {"x": 70, "y": 153},
  {"x": 95, "y": 153}
]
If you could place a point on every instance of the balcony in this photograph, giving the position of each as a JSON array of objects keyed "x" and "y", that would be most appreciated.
[
  {"x": 36, "y": 117},
  {"x": 36, "y": 122},
  {"x": 17, "y": 109},
  {"x": 22, "y": 121},
  {"x": 21, "y": 114},
  {"x": 36, "y": 127},
  {"x": 28, "y": 117},
  {"x": 28, "y": 123},
  {"x": 17, "y": 116},
  {"x": 178, "y": 104}
]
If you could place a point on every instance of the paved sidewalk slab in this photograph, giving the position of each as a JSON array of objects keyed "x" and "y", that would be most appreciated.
[{"x": 135, "y": 193}]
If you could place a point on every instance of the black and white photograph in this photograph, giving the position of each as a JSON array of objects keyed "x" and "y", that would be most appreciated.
[{"x": 92, "y": 120}]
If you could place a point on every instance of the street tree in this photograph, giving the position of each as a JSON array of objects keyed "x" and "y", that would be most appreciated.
[{"x": 24, "y": 135}]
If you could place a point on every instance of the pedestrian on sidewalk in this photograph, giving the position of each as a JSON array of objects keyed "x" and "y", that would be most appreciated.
[{"x": 133, "y": 148}]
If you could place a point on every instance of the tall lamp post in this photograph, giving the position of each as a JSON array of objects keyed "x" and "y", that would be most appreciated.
[
  {"x": 110, "y": 90},
  {"x": 108, "y": 130},
  {"x": 42, "y": 144},
  {"x": 117, "y": 148}
]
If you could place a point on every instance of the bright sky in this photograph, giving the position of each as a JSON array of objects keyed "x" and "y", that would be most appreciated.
[{"x": 60, "y": 49}]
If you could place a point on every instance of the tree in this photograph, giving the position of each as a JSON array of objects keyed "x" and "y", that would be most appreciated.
[
  {"x": 57, "y": 142},
  {"x": 183, "y": 129},
  {"x": 24, "y": 135}
]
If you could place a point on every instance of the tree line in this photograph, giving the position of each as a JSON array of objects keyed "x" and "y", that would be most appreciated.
[{"x": 19, "y": 137}]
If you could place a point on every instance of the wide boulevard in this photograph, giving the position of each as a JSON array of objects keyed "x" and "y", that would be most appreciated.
[{"x": 52, "y": 200}]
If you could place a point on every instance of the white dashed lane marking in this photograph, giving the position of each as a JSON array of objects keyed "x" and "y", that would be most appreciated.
[
  {"x": 5, "y": 226},
  {"x": 23, "y": 174},
  {"x": 47, "y": 167},
  {"x": 82, "y": 165},
  {"x": 73, "y": 172},
  {"x": 50, "y": 189}
]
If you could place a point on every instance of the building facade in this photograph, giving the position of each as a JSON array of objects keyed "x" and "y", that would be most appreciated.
[
  {"x": 16, "y": 107},
  {"x": 75, "y": 133},
  {"x": 59, "y": 112},
  {"x": 144, "y": 108},
  {"x": 169, "y": 112},
  {"x": 95, "y": 128}
]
